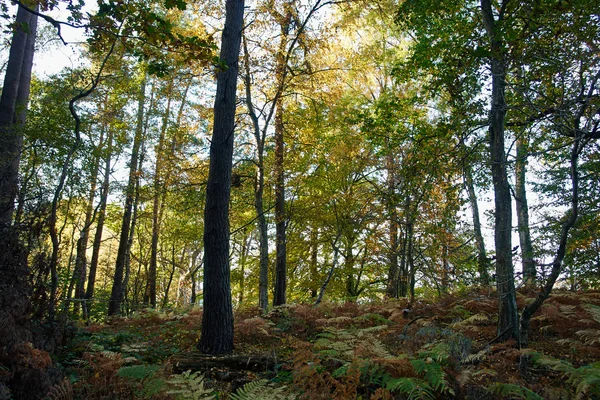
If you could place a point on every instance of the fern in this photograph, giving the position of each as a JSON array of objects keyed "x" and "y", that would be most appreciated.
[
  {"x": 149, "y": 385},
  {"x": 432, "y": 374},
  {"x": 589, "y": 336},
  {"x": 508, "y": 390},
  {"x": 474, "y": 358},
  {"x": 344, "y": 344},
  {"x": 139, "y": 372},
  {"x": 471, "y": 321},
  {"x": 594, "y": 311},
  {"x": 60, "y": 391},
  {"x": 190, "y": 385},
  {"x": 261, "y": 390},
  {"x": 585, "y": 380},
  {"x": 416, "y": 389},
  {"x": 588, "y": 378},
  {"x": 568, "y": 310}
]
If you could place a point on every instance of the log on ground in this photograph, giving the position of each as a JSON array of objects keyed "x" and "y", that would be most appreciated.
[{"x": 196, "y": 361}]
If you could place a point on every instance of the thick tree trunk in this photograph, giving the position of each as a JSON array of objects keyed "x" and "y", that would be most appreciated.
[
  {"x": 116, "y": 296},
  {"x": 528, "y": 262},
  {"x": 482, "y": 260},
  {"x": 13, "y": 107},
  {"x": 508, "y": 324},
  {"x": 217, "y": 319}
]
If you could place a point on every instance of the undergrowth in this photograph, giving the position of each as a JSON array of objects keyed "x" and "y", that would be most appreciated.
[{"x": 348, "y": 351}]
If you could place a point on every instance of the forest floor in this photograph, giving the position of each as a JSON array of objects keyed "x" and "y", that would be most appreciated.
[{"x": 437, "y": 350}]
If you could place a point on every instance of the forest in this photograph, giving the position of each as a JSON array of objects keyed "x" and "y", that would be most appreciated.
[{"x": 300, "y": 199}]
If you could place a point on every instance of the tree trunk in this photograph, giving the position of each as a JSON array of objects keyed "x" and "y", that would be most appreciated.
[
  {"x": 116, "y": 295},
  {"x": 217, "y": 319},
  {"x": 528, "y": 262},
  {"x": 280, "y": 217},
  {"x": 392, "y": 281},
  {"x": 89, "y": 295},
  {"x": 157, "y": 195},
  {"x": 13, "y": 108},
  {"x": 243, "y": 260},
  {"x": 170, "y": 281},
  {"x": 259, "y": 186},
  {"x": 336, "y": 253},
  {"x": 482, "y": 260},
  {"x": 508, "y": 326},
  {"x": 80, "y": 273},
  {"x": 314, "y": 261}
]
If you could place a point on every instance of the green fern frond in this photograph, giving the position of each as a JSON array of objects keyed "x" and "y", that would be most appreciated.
[
  {"x": 438, "y": 351},
  {"x": 377, "y": 318},
  {"x": 338, "y": 320},
  {"x": 190, "y": 385},
  {"x": 432, "y": 374},
  {"x": 508, "y": 390},
  {"x": 586, "y": 380},
  {"x": 476, "y": 319},
  {"x": 139, "y": 372},
  {"x": 416, "y": 389},
  {"x": 261, "y": 390}
]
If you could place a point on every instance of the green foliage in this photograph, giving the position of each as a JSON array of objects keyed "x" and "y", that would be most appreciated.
[
  {"x": 511, "y": 391},
  {"x": 189, "y": 385},
  {"x": 414, "y": 388},
  {"x": 585, "y": 380},
  {"x": 149, "y": 385},
  {"x": 261, "y": 390}
]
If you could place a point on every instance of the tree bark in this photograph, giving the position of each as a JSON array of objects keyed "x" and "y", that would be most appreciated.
[
  {"x": 158, "y": 190},
  {"x": 483, "y": 263},
  {"x": 259, "y": 187},
  {"x": 116, "y": 296},
  {"x": 80, "y": 272},
  {"x": 217, "y": 319},
  {"x": 314, "y": 261},
  {"x": 508, "y": 326},
  {"x": 89, "y": 294},
  {"x": 280, "y": 216},
  {"x": 529, "y": 267},
  {"x": 13, "y": 107},
  {"x": 392, "y": 281}
]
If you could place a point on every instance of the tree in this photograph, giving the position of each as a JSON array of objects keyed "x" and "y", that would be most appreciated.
[
  {"x": 217, "y": 320},
  {"x": 13, "y": 107},
  {"x": 116, "y": 296}
]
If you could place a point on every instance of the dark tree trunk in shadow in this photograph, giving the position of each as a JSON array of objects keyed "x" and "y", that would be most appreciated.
[
  {"x": 217, "y": 319},
  {"x": 508, "y": 324}
]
